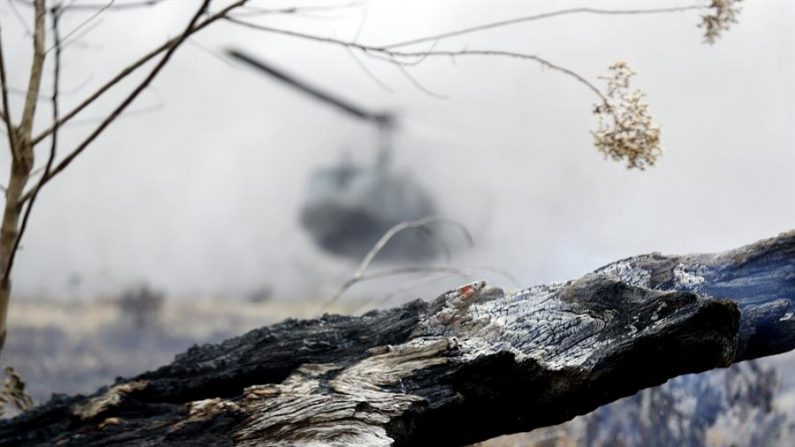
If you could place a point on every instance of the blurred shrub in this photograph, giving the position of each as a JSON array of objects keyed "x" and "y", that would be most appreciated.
[
  {"x": 261, "y": 294},
  {"x": 731, "y": 407},
  {"x": 141, "y": 305}
]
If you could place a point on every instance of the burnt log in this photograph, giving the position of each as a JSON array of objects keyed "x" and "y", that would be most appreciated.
[{"x": 475, "y": 363}]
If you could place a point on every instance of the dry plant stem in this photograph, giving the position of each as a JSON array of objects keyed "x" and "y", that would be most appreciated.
[
  {"x": 20, "y": 168},
  {"x": 123, "y": 5},
  {"x": 424, "y": 281},
  {"x": 545, "y": 15},
  {"x": 13, "y": 391},
  {"x": 394, "y": 57},
  {"x": 132, "y": 67},
  {"x": 396, "y": 272},
  {"x": 359, "y": 275},
  {"x": 127, "y": 4},
  {"x": 403, "y": 226},
  {"x": 255, "y": 11},
  {"x": 510, "y": 54}
]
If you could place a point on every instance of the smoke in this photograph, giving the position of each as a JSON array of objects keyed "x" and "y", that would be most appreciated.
[{"x": 200, "y": 195}]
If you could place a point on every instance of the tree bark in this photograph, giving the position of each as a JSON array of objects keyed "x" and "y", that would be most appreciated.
[
  {"x": 475, "y": 363},
  {"x": 22, "y": 159},
  {"x": 9, "y": 232}
]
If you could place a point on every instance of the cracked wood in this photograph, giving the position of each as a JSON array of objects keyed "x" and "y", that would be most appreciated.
[{"x": 475, "y": 363}]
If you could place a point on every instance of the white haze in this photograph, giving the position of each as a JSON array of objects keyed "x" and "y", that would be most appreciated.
[{"x": 200, "y": 194}]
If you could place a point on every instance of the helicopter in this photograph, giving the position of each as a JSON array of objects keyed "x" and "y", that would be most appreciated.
[{"x": 349, "y": 206}]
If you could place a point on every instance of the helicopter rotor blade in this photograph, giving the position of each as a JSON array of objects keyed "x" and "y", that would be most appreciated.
[{"x": 316, "y": 92}]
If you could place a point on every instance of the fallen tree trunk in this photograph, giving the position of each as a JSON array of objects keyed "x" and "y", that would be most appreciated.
[{"x": 475, "y": 363}]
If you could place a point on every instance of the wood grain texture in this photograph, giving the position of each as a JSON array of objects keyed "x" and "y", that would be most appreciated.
[{"x": 475, "y": 363}]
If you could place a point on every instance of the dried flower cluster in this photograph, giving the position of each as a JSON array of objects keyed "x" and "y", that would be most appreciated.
[
  {"x": 626, "y": 130},
  {"x": 723, "y": 14}
]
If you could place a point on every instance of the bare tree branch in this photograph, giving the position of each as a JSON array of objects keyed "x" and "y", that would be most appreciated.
[
  {"x": 37, "y": 65},
  {"x": 77, "y": 40},
  {"x": 257, "y": 11},
  {"x": 360, "y": 63},
  {"x": 422, "y": 58},
  {"x": 124, "y": 5},
  {"x": 134, "y": 66},
  {"x": 127, "y": 114},
  {"x": 510, "y": 54},
  {"x": 55, "y": 13},
  {"x": 47, "y": 176},
  {"x": 546, "y": 15},
  {"x": 21, "y": 165},
  {"x": 417, "y": 84},
  {"x": 369, "y": 72},
  {"x": 19, "y": 17},
  {"x": 6, "y": 113},
  {"x": 367, "y": 49},
  {"x": 84, "y": 22},
  {"x": 47, "y": 96},
  {"x": 394, "y": 57}
]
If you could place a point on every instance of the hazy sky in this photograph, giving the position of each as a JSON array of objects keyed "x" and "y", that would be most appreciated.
[{"x": 200, "y": 193}]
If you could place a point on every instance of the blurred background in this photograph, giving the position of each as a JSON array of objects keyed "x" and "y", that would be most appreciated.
[{"x": 182, "y": 223}]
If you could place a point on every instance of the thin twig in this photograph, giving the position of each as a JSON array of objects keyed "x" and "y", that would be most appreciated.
[
  {"x": 301, "y": 35},
  {"x": 84, "y": 22},
  {"x": 360, "y": 63},
  {"x": 127, "y": 114},
  {"x": 47, "y": 96},
  {"x": 369, "y": 72},
  {"x": 424, "y": 281},
  {"x": 47, "y": 176},
  {"x": 19, "y": 17},
  {"x": 417, "y": 83},
  {"x": 255, "y": 11},
  {"x": 6, "y": 115},
  {"x": 393, "y": 56},
  {"x": 422, "y": 58},
  {"x": 215, "y": 54},
  {"x": 403, "y": 226},
  {"x": 444, "y": 270},
  {"x": 431, "y": 236},
  {"x": 535, "y": 17},
  {"x": 398, "y": 271},
  {"x": 511, "y": 54},
  {"x": 360, "y": 274},
  {"x": 55, "y": 12},
  {"x": 134, "y": 66},
  {"x": 124, "y": 5},
  {"x": 78, "y": 39}
]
